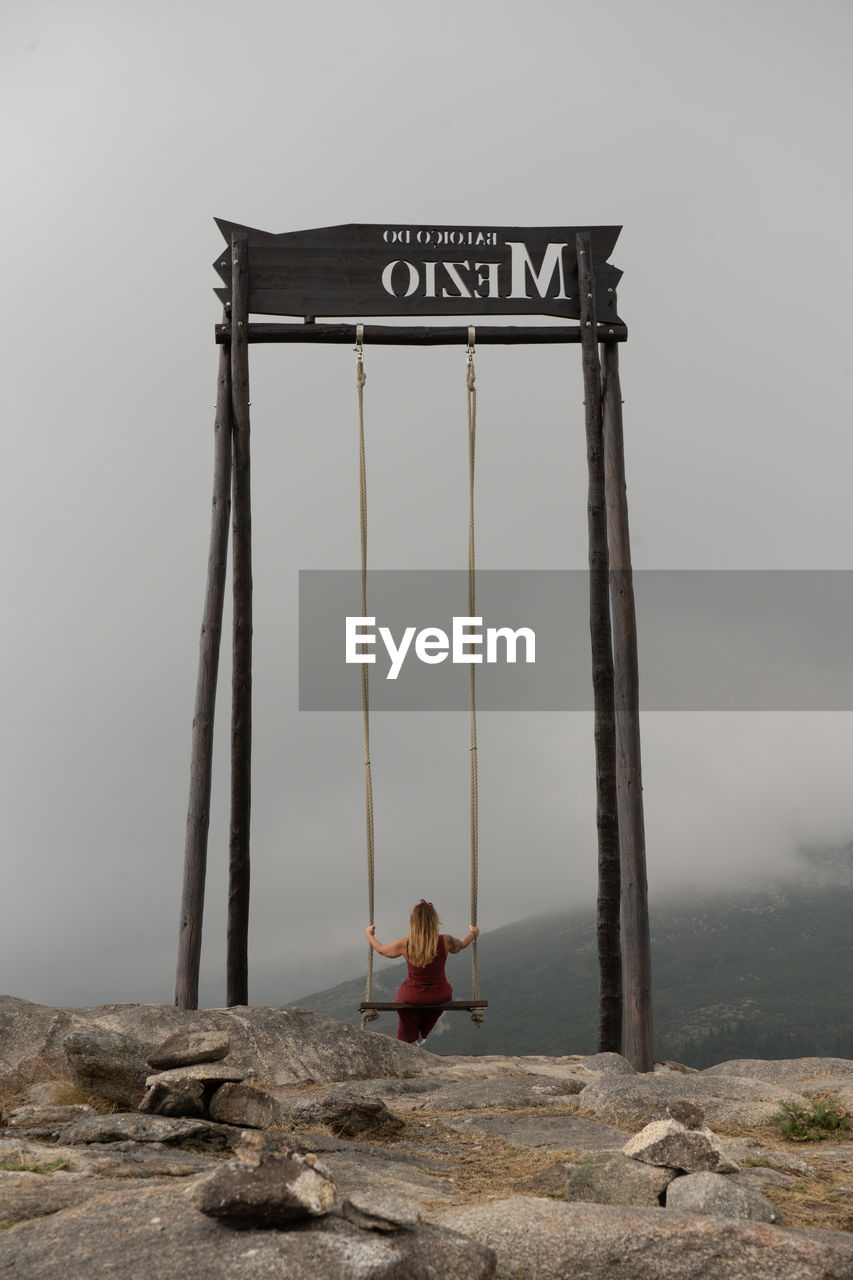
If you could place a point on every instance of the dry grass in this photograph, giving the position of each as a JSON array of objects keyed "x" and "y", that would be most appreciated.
[
  {"x": 490, "y": 1169},
  {"x": 816, "y": 1203},
  {"x": 15, "y": 1090}
]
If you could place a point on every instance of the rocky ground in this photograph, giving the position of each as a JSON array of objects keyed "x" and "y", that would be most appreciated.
[{"x": 140, "y": 1141}]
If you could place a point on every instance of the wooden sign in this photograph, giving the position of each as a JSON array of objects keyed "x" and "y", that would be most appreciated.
[{"x": 368, "y": 269}]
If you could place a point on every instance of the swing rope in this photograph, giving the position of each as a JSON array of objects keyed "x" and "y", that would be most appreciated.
[
  {"x": 471, "y": 397},
  {"x": 369, "y": 1015}
]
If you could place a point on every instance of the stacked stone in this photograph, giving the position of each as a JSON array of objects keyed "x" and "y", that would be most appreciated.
[
  {"x": 677, "y": 1162},
  {"x": 191, "y": 1079}
]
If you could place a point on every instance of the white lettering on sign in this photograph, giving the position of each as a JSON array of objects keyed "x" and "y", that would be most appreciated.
[
  {"x": 433, "y": 645},
  {"x": 521, "y": 264},
  {"x": 470, "y": 279},
  {"x": 388, "y": 279},
  {"x": 426, "y": 237}
]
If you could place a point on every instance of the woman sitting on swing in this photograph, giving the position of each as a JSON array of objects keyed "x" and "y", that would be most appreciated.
[{"x": 425, "y": 950}]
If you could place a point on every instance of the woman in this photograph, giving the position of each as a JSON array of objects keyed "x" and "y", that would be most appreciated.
[{"x": 425, "y": 950}]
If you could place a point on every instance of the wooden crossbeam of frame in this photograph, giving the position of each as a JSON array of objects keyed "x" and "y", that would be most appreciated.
[{"x": 448, "y": 1006}]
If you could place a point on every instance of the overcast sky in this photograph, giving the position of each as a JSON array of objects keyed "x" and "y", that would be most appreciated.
[{"x": 716, "y": 134}]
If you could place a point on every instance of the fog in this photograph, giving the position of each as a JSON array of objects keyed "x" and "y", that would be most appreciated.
[{"x": 713, "y": 134}]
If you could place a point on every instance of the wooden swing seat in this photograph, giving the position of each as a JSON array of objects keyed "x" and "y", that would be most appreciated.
[{"x": 449, "y": 1006}]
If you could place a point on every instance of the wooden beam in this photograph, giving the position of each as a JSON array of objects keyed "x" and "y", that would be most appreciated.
[
  {"x": 388, "y": 1006},
  {"x": 609, "y": 953},
  {"x": 421, "y": 335},
  {"x": 241, "y": 679},
  {"x": 201, "y": 762},
  {"x": 637, "y": 964}
]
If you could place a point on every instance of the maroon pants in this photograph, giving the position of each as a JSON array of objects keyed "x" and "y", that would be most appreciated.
[{"x": 416, "y": 1024}]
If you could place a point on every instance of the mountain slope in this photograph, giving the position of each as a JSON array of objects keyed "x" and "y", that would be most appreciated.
[{"x": 755, "y": 974}]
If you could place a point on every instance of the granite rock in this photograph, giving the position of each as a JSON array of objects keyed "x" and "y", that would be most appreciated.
[{"x": 670, "y": 1144}]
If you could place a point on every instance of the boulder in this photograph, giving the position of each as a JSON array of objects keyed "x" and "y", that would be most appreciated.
[
  {"x": 106, "y": 1064},
  {"x": 187, "y": 1047},
  {"x": 607, "y": 1178},
  {"x": 670, "y": 1144},
  {"x": 264, "y": 1188},
  {"x": 726, "y": 1102},
  {"x": 785, "y": 1071},
  {"x": 279, "y": 1046},
  {"x": 245, "y": 1105},
  {"x": 608, "y": 1064},
  {"x": 156, "y": 1234},
  {"x": 546, "y": 1240},
  {"x": 714, "y": 1193}
]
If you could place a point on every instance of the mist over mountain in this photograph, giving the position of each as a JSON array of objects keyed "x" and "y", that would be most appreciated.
[{"x": 761, "y": 972}]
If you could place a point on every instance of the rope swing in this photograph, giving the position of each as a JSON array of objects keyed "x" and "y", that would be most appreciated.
[
  {"x": 368, "y": 1015},
  {"x": 471, "y": 398},
  {"x": 369, "y": 1007}
]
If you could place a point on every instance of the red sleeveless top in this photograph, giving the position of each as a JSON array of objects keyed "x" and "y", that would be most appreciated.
[{"x": 427, "y": 985}]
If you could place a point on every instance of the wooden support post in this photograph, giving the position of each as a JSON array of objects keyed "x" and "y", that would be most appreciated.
[
  {"x": 241, "y": 679},
  {"x": 201, "y": 763},
  {"x": 636, "y": 946},
  {"x": 609, "y": 952}
]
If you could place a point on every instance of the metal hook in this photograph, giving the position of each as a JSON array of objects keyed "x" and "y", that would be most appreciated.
[
  {"x": 472, "y": 339},
  {"x": 359, "y": 341}
]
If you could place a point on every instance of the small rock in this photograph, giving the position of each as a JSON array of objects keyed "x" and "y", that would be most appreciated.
[
  {"x": 245, "y": 1105},
  {"x": 715, "y": 1194},
  {"x": 206, "y": 1071},
  {"x": 185, "y": 1048},
  {"x": 179, "y": 1098},
  {"x": 380, "y": 1211},
  {"x": 607, "y": 1178},
  {"x": 348, "y": 1116},
  {"x": 668, "y": 1143},
  {"x": 264, "y": 1189},
  {"x": 686, "y": 1113}
]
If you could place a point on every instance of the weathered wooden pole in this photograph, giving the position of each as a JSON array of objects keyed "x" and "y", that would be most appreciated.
[
  {"x": 609, "y": 952},
  {"x": 241, "y": 678},
  {"x": 636, "y": 946},
  {"x": 201, "y": 762}
]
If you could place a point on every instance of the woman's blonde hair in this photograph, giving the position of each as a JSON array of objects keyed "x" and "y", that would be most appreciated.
[{"x": 423, "y": 934}]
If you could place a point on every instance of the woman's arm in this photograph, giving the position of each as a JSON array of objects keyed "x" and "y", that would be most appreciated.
[
  {"x": 459, "y": 944},
  {"x": 391, "y": 949}
]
